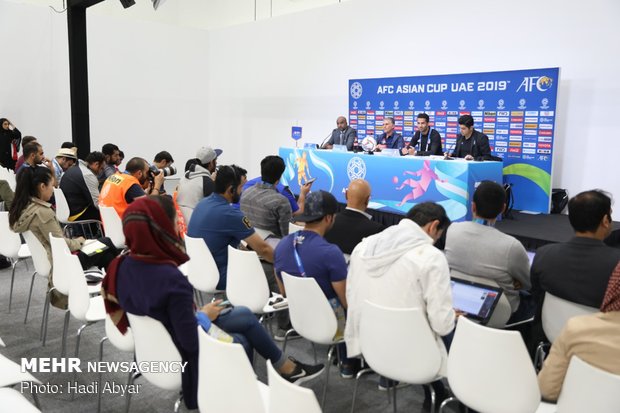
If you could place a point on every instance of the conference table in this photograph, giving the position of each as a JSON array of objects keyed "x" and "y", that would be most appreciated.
[{"x": 398, "y": 182}]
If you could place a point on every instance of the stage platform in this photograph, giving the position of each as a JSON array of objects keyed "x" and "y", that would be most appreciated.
[{"x": 532, "y": 230}]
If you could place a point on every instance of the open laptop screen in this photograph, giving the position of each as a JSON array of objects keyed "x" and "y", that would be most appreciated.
[{"x": 477, "y": 300}]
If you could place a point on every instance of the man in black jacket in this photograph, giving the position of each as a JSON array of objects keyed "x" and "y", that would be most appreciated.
[
  {"x": 471, "y": 144},
  {"x": 354, "y": 224},
  {"x": 428, "y": 139}
]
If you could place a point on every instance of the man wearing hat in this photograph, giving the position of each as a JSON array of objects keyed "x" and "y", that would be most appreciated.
[
  {"x": 197, "y": 182},
  {"x": 65, "y": 159},
  {"x": 306, "y": 253}
]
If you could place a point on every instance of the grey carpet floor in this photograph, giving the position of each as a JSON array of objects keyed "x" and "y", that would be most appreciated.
[{"x": 22, "y": 341}]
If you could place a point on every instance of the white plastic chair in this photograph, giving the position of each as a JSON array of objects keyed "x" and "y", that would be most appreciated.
[
  {"x": 113, "y": 226},
  {"x": 490, "y": 370},
  {"x": 42, "y": 267},
  {"x": 13, "y": 401},
  {"x": 311, "y": 315},
  {"x": 11, "y": 247},
  {"x": 63, "y": 212},
  {"x": 11, "y": 374},
  {"x": 555, "y": 313},
  {"x": 226, "y": 381},
  {"x": 122, "y": 342},
  {"x": 246, "y": 283},
  {"x": 202, "y": 272},
  {"x": 285, "y": 397},
  {"x": 587, "y": 389},
  {"x": 153, "y": 342},
  {"x": 398, "y": 343},
  {"x": 294, "y": 228}
]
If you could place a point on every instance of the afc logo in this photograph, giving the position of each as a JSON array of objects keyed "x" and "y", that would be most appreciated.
[{"x": 542, "y": 83}]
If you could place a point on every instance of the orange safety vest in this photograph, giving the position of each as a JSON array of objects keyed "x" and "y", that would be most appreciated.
[{"x": 114, "y": 189}]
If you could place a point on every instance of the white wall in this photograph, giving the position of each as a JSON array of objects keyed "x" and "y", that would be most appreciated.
[
  {"x": 266, "y": 75},
  {"x": 156, "y": 86}
]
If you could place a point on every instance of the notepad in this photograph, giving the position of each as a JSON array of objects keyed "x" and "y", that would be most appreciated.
[{"x": 93, "y": 246}]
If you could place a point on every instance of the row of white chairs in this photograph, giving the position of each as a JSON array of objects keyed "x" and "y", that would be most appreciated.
[{"x": 11, "y": 375}]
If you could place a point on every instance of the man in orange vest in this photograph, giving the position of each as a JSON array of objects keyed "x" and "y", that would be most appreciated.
[{"x": 121, "y": 189}]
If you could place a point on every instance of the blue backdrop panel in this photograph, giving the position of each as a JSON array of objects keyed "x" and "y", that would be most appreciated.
[
  {"x": 398, "y": 183},
  {"x": 515, "y": 109}
]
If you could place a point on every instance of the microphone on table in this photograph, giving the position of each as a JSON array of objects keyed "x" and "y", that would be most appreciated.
[{"x": 329, "y": 135}]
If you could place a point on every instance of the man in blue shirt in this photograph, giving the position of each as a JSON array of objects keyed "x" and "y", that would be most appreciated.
[
  {"x": 221, "y": 225},
  {"x": 307, "y": 254},
  {"x": 390, "y": 139}
]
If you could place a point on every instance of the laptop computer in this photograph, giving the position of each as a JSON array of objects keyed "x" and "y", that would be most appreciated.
[{"x": 477, "y": 301}]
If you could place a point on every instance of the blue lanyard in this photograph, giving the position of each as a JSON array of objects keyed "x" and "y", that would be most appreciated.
[
  {"x": 428, "y": 138},
  {"x": 298, "y": 239}
]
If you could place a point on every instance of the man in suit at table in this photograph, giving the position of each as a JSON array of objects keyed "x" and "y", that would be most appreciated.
[
  {"x": 471, "y": 144},
  {"x": 342, "y": 135},
  {"x": 428, "y": 139},
  {"x": 353, "y": 224}
]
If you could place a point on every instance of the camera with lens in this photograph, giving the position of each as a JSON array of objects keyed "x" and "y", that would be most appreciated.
[{"x": 167, "y": 171}]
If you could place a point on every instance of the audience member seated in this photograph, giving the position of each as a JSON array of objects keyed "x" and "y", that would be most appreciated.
[
  {"x": 197, "y": 183},
  {"x": 577, "y": 270},
  {"x": 306, "y": 253},
  {"x": 65, "y": 159},
  {"x": 264, "y": 206},
  {"x": 10, "y": 138},
  {"x": 25, "y": 141},
  {"x": 221, "y": 225},
  {"x": 81, "y": 188},
  {"x": 111, "y": 153},
  {"x": 148, "y": 282},
  {"x": 162, "y": 160},
  {"x": 399, "y": 267},
  {"x": 354, "y": 224},
  {"x": 32, "y": 212},
  {"x": 477, "y": 248},
  {"x": 594, "y": 338},
  {"x": 297, "y": 204},
  {"x": 121, "y": 189},
  {"x": 121, "y": 158}
]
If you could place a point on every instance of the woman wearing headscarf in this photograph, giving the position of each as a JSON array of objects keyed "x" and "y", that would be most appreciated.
[
  {"x": 10, "y": 137},
  {"x": 147, "y": 281},
  {"x": 594, "y": 338}
]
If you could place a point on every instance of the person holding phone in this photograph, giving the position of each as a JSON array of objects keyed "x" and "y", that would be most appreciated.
[{"x": 10, "y": 138}]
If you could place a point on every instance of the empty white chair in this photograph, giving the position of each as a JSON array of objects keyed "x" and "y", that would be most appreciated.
[
  {"x": 246, "y": 284},
  {"x": 153, "y": 342},
  {"x": 398, "y": 343},
  {"x": 113, "y": 226},
  {"x": 285, "y": 397},
  {"x": 555, "y": 313},
  {"x": 311, "y": 315},
  {"x": 202, "y": 272},
  {"x": 11, "y": 374},
  {"x": 11, "y": 247},
  {"x": 12, "y": 400},
  {"x": 226, "y": 381},
  {"x": 489, "y": 370},
  {"x": 42, "y": 267}
]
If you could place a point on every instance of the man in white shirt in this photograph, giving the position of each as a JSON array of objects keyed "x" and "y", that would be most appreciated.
[{"x": 399, "y": 267}]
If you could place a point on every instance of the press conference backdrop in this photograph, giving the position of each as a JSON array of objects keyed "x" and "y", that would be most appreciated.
[{"x": 515, "y": 109}]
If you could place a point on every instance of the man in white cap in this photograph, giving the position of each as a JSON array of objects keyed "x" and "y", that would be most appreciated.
[
  {"x": 197, "y": 182},
  {"x": 65, "y": 159}
]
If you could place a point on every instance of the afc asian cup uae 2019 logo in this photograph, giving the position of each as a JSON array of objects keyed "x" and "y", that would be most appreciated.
[
  {"x": 356, "y": 168},
  {"x": 356, "y": 90}
]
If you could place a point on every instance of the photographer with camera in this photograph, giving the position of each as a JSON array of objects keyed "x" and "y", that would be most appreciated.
[
  {"x": 163, "y": 160},
  {"x": 138, "y": 180}
]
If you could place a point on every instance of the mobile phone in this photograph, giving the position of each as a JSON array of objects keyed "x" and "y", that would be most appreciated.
[
  {"x": 309, "y": 181},
  {"x": 225, "y": 303}
]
